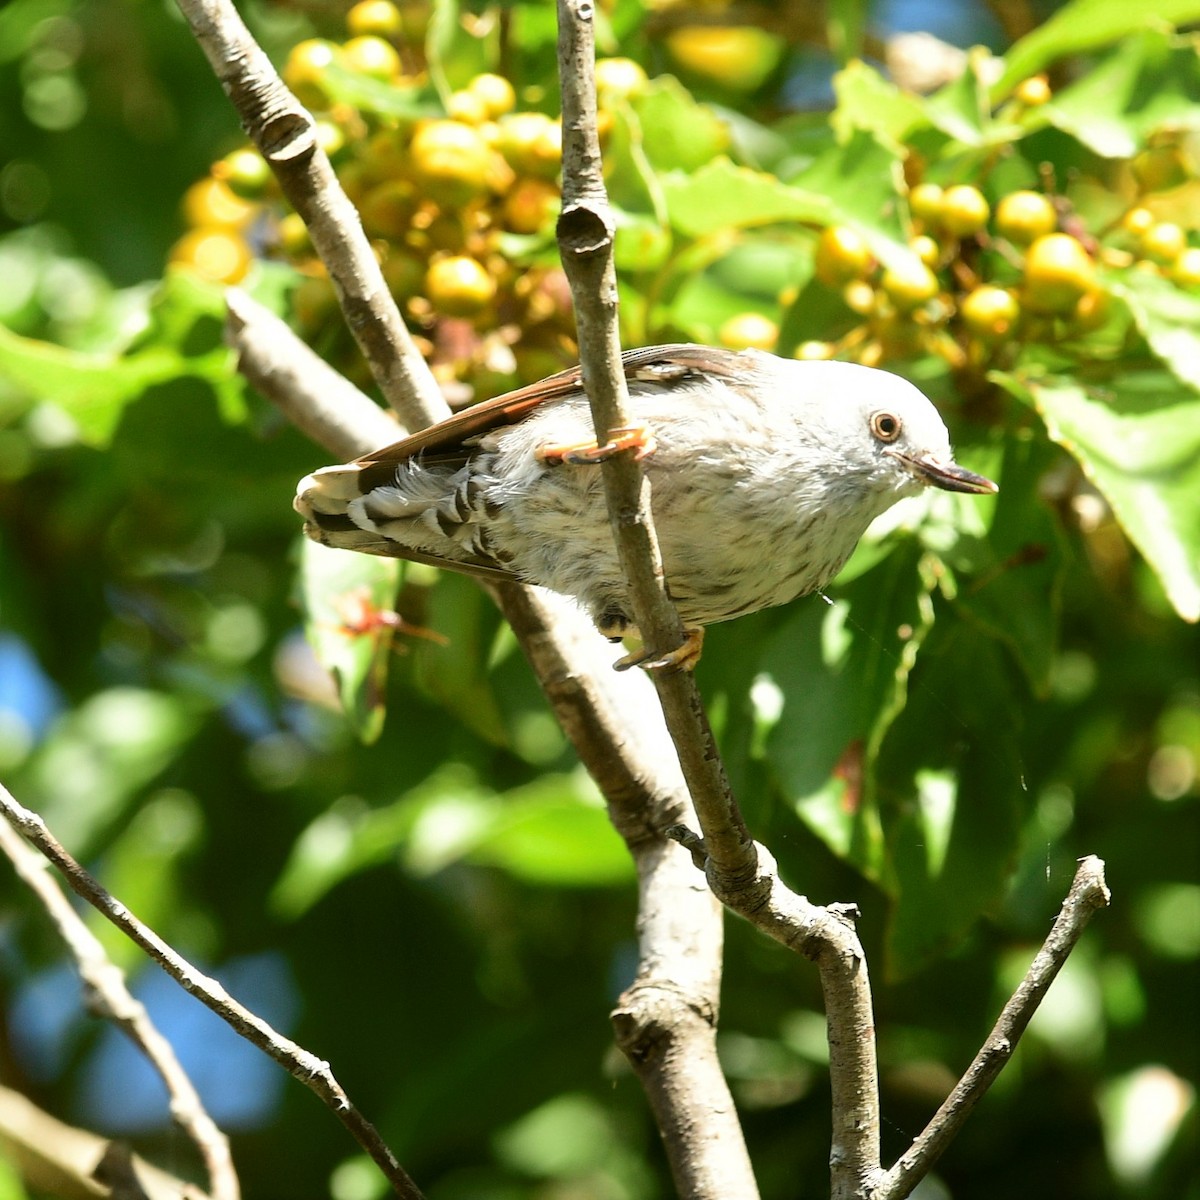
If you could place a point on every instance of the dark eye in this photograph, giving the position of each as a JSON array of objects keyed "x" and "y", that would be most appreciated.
[{"x": 885, "y": 426}]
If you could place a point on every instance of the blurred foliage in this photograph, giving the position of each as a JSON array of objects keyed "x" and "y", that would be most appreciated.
[{"x": 993, "y": 688}]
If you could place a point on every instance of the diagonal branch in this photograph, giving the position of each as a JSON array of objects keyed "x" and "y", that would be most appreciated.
[
  {"x": 306, "y": 1067},
  {"x": 1088, "y": 894},
  {"x": 109, "y": 995}
]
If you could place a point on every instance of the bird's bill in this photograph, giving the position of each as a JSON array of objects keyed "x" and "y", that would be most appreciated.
[{"x": 949, "y": 476}]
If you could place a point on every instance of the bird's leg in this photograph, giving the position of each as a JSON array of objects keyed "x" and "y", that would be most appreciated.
[
  {"x": 684, "y": 657},
  {"x": 637, "y": 438}
]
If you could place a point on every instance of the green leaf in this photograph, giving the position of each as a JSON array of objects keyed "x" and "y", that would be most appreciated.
[
  {"x": 1152, "y": 82},
  {"x": 182, "y": 338},
  {"x": 683, "y": 134},
  {"x": 842, "y": 669},
  {"x": 345, "y": 595},
  {"x": 868, "y": 101},
  {"x": 1017, "y": 570},
  {"x": 1142, "y": 451},
  {"x": 1086, "y": 25},
  {"x": 846, "y": 25},
  {"x": 951, "y": 791},
  {"x": 1167, "y": 316},
  {"x": 370, "y": 95}
]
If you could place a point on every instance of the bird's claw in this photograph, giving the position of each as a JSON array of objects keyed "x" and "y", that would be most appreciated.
[
  {"x": 684, "y": 657},
  {"x": 637, "y": 438}
]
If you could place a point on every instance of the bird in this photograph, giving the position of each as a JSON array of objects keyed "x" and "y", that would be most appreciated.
[{"x": 764, "y": 474}]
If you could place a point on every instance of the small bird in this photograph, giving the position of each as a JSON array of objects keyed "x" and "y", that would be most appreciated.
[{"x": 764, "y": 474}]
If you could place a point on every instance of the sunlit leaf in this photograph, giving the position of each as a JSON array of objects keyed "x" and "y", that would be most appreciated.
[
  {"x": 1141, "y": 449},
  {"x": 1151, "y": 82},
  {"x": 866, "y": 100},
  {"x": 680, "y": 133},
  {"x": 1168, "y": 317},
  {"x": 1087, "y": 25}
]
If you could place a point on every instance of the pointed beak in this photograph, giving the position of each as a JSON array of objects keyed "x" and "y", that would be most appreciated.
[{"x": 948, "y": 476}]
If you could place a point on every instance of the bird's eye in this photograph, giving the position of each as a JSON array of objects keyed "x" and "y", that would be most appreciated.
[{"x": 885, "y": 426}]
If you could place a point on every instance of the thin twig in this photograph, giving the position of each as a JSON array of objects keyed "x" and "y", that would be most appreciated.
[
  {"x": 109, "y": 996},
  {"x": 1089, "y": 893},
  {"x": 285, "y": 135},
  {"x": 310, "y": 1070}
]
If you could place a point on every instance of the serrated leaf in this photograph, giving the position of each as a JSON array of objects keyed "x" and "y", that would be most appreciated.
[
  {"x": 842, "y": 670},
  {"x": 722, "y": 195},
  {"x": 1151, "y": 82},
  {"x": 1142, "y": 451},
  {"x": 866, "y": 100},
  {"x": 345, "y": 595},
  {"x": 683, "y": 134},
  {"x": 1167, "y": 316},
  {"x": 1086, "y": 25}
]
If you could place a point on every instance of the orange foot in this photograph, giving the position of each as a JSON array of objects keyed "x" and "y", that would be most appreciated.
[
  {"x": 683, "y": 658},
  {"x": 637, "y": 438}
]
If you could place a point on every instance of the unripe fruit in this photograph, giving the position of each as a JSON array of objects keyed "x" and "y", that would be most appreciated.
[
  {"x": 1033, "y": 92},
  {"x": 841, "y": 255},
  {"x": 739, "y": 57},
  {"x": 371, "y": 56},
  {"x": 459, "y": 286},
  {"x": 813, "y": 351},
  {"x": 909, "y": 285},
  {"x": 1186, "y": 268},
  {"x": 293, "y": 236},
  {"x": 387, "y": 209},
  {"x": 495, "y": 93},
  {"x": 925, "y": 203},
  {"x": 964, "y": 211},
  {"x": 218, "y": 255},
  {"x": 990, "y": 312},
  {"x": 618, "y": 78},
  {"x": 451, "y": 160},
  {"x": 1023, "y": 217},
  {"x": 1091, "y": 310},
  {"x": 530, "y": 205},
  {"x": 304, "y": 71},
  {"x": 532, "y": 144},
  {"x": 209, "y": 202},
  {"x": 467, "y": 107},
  {"x": 859, "y": 297},
  {"x": 1058, "y": 271},
  {"x": 1158, "y": 168},
  {"x": 244, "y": 172},
  {"x": 379, "y": 17},
  {"x": 926, "y": 249},
  {"x": 1137, "y": 221},
  {"x": 749, "y": 330},
  {"x": 1163, "y": 242}
]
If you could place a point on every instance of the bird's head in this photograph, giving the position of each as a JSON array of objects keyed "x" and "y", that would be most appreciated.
[{"x": 886, "y": 432}]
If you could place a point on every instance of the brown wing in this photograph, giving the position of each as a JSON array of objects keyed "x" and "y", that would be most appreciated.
[{"x": 450, "y": 439}]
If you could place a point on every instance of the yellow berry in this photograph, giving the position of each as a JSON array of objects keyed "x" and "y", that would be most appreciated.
[
  {"x": 1023, "y": 217},
  {"x": 495, "y": 93},
  {"x": 387, "y": 209},
  {"x": 371, "y": 56},
  {"x": 1091, "y": 310},
  {"x": 293, "y": 237},
  {"x": 841, "y": 255},
  {"x": 1186, "y": 268},
  {"x": 244, "y": 172},
  {"x": 909, "y": 285},
  {"x": 1058, "y": 271},
  {"x": 379, "y": 17},
  {"x": 990, "y": 312},
  {"x": 532, "y": 144},
  {"x": 617, "y": 79},
  {"x": 304, "y": 70},
  {"x": 1033, "y": 92},
  {"x": 964, "y": 211},
  {"x": 459, "y": 286},
  {"x": 209, "y": 203},
  {"x": 813, "y": 351},
  {"x": 1159, "y": 167},
  {"x": 217, "y": 254},
  {"x": 451, "y": 160},
  {"x": 1137, "y": 221},
  {"x": 925, "y": 203},
  {"x": 749, "y": 330},
  {"x": 926, "y": 249},
  {"x": 530, "y": 205},
  {"x": 1163, "y": 242},
  {"x": 467, "y": 107},
  {"x": 859, "y": 297}
]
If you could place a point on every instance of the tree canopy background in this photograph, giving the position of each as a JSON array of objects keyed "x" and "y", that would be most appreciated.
[{"x": 442, "y": 910}]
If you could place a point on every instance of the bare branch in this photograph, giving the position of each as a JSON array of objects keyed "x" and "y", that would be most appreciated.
[
  {"x": 111, "y": 998},
  {"x": 285, "y": 135},
  {"x": 62, "y": 1160},
  {"x": 1089, "y": 893},
  {"x": 310, "y": 1070}
]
